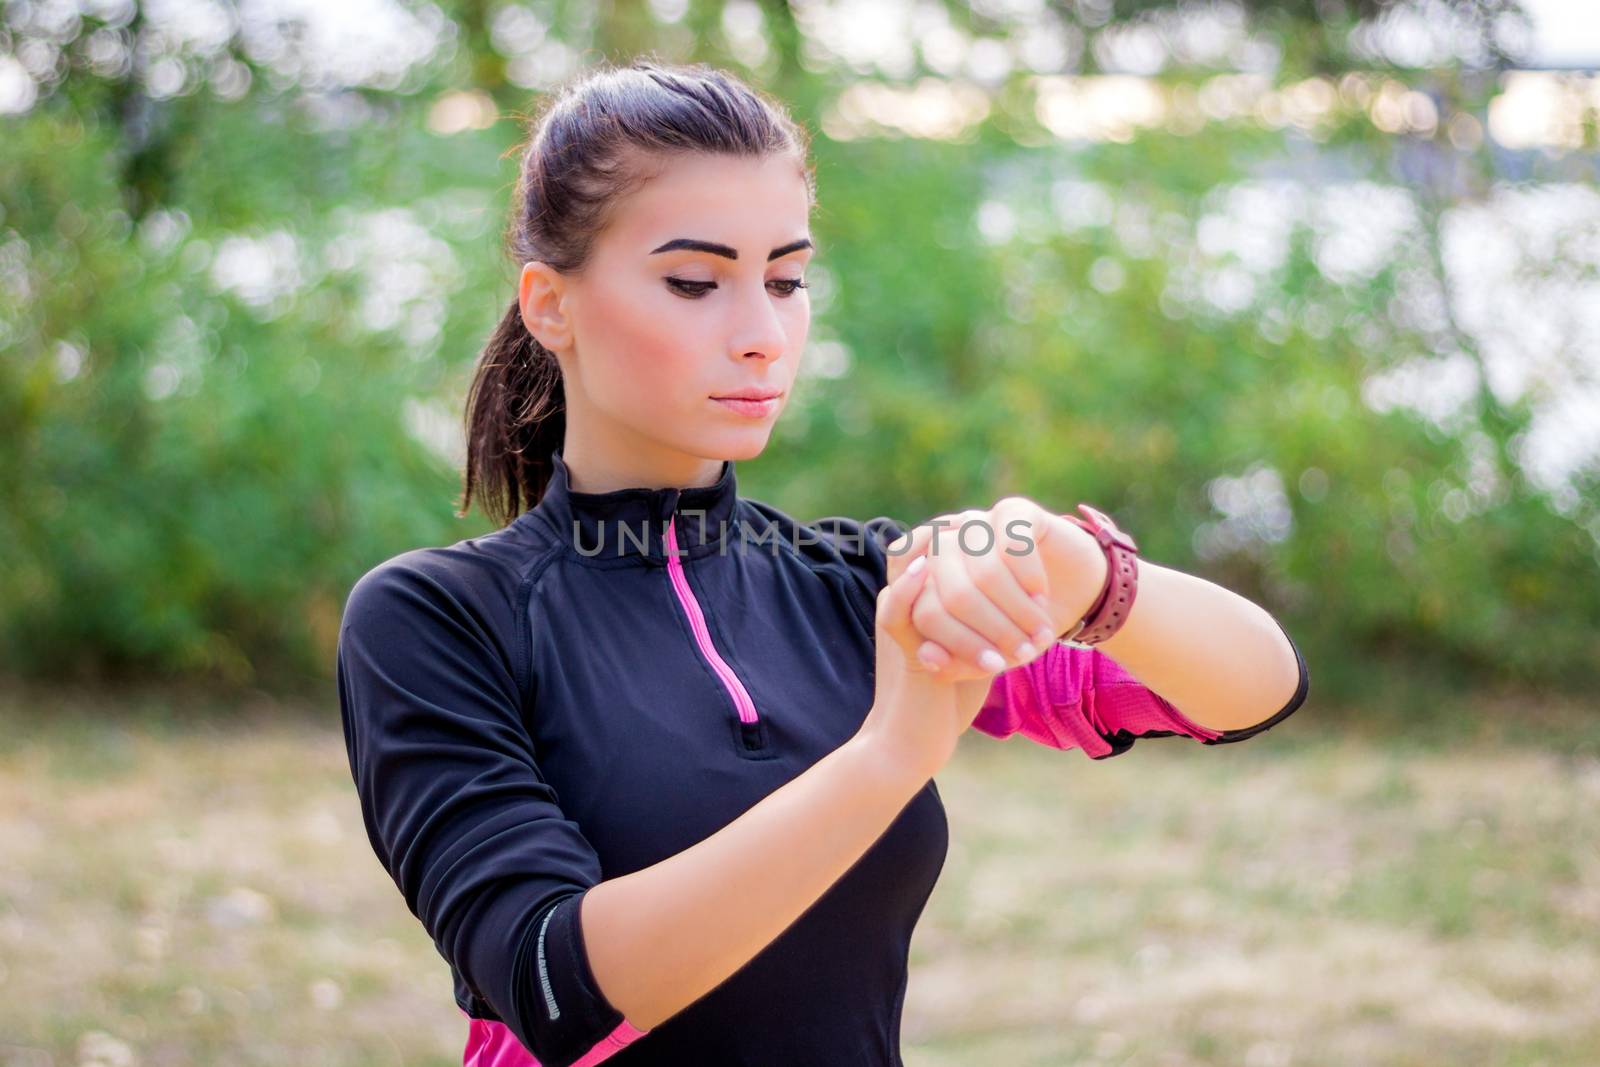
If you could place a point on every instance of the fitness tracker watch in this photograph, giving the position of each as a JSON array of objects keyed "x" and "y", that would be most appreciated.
[{"x": 1110, "y": 609}]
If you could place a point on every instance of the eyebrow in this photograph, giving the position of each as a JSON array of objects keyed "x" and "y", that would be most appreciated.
[{"x": 716, "y": 249}]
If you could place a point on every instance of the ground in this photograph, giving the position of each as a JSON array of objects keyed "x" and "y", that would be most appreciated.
[{"x": 198, "y": 890}]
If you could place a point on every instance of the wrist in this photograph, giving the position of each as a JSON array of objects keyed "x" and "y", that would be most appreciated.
[
  {"x": 1077, "y": 573},
  {"x": 886, "y": 764},
  {"x": 1119, "y": 584}
]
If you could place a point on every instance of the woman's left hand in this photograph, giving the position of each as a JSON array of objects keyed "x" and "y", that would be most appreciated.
[{"x": 1003, "y": 585}]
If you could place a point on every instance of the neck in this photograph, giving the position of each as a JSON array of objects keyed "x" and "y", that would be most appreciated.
[
  {"x": 639, "y": 521},
  {"x": 596, "y": 465}
]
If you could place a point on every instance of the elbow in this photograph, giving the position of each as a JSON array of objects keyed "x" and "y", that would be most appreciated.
[
  {"x": 528, "y": 965},
  {"x": 1296, "y": 678},
  {"x": 1297, "y": 695},
  {"x": 1298, "y": 681},
  {"x": 557, "y": 1010},
  {"x": 626, "y": 965}
]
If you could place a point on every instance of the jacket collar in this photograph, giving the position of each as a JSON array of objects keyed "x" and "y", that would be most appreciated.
[{"x": 633, "y": 522}]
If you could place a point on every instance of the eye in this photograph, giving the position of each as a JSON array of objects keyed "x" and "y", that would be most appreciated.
[
  {"x": 690, "y": 289},
  {"x": 695, "y": 290}
]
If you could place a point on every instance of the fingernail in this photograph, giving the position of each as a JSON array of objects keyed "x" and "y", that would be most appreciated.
[
  {"x": 1042, "y": 600},
  {"x": 1026, "y": 651},
  {"x": 991, "y": 660},
  {"x": 916, "y": 564},
  {"x": 928, "y": 659},
  {"x": 1044, "y": 638}
]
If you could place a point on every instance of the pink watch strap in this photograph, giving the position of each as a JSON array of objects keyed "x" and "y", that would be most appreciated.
[{"x": 1112, "y": 607}]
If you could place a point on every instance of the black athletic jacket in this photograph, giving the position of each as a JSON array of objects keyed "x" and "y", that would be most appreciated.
[{"x": 613, "y": 677}]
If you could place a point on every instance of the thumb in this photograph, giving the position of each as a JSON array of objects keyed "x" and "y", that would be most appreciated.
[
  {"x": 899, "y": 555},
  {"x": 895, "y": 600}
]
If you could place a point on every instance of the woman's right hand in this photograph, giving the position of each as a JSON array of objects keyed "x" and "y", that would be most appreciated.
[{"x": 915, "y": 719}]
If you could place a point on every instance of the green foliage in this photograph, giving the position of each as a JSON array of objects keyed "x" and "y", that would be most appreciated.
[{"x": 235, "y": 331}]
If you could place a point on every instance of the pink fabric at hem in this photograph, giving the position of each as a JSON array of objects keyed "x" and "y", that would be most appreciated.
[
  {"x": 492, "y": 1044},
  {"x": 1073, "y": 697}
]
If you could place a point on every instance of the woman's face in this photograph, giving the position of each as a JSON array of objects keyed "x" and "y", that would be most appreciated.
[{"x": 658, "y": 325}]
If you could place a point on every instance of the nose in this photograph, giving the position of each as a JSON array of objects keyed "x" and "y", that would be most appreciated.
[{"x": 760, "y": 332}]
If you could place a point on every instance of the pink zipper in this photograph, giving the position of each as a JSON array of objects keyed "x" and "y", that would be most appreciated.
[{"x": 702, "y": 635}]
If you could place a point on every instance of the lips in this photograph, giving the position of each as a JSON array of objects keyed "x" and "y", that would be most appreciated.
[
  {"x": 752, "y": 408},
  {"x": 751, "y": 394}
]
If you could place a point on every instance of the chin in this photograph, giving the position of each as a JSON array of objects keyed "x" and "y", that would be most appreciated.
[{"x": 741, "y": 444}]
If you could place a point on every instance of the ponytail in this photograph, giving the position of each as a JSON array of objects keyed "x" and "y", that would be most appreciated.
[{"x": 516, "y": 417}]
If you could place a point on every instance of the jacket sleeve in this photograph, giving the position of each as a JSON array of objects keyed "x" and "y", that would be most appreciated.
[
  {"x": 432, "y": 665},
  {"x": 863, "y": 546},
  {"x": 1077, "y": 697}
]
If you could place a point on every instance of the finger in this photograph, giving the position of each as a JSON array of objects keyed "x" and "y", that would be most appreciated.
[
  {"x": 979, "y": 591},
  {"x": 945, "y": 643},
  {"x": 896, "y": 597},
  {"x": 986, "y": 597},
  {"x": 894, "y": 609},
  {"x": 926, "y": 539},
  {"x": 1023, "y": 525},
  {"x": 945, "y": 667},
  {"x": 1023, "y": 554},
  {"x": 901, "y": 626},
  {"x": 910, "y": 545},
  {"x": 1004, "y": 562}
]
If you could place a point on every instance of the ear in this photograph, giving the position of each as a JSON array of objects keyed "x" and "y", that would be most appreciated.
[{"x": 540, "y": 290}]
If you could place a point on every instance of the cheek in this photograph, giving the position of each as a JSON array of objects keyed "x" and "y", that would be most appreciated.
[
  {"x": 651, "y": 351},
  {"x": 797, "y": 321},
  {"x": 795, "y": 313}
]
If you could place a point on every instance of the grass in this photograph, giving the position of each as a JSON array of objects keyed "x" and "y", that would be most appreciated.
[{"x": 191, "y": 885}]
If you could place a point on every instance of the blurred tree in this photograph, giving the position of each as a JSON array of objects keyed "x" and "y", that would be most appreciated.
[{"x": 1088, "y": 252}]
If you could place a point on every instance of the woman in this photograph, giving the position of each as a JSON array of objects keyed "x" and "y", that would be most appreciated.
[{"x": 652, "y": 762}]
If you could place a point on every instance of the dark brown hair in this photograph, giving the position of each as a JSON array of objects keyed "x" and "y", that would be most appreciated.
[{"x": 598, "y": 138}]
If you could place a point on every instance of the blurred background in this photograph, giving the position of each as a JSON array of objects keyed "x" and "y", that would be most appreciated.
[{"x": 1305, "y": 294}]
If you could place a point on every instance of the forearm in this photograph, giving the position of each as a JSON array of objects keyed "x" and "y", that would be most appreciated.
[
  {"x": 1216, "y": 656},
  {"x": 661, "y": 937}
]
